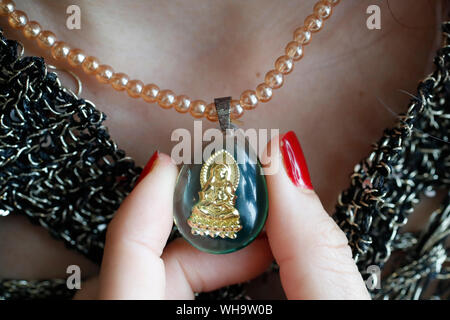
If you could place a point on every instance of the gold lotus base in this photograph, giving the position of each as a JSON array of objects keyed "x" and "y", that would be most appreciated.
[{"x": 204, "y": 225}]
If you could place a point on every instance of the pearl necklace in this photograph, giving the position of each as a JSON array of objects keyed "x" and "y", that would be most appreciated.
[{"x": 166, "y": 98}]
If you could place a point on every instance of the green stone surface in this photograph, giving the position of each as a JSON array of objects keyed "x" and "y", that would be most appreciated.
[{"x": 251, "y": 202}]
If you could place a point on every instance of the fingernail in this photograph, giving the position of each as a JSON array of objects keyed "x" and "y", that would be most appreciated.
[
  {"x": 294, "y": 161},
  {"x": 148, "y": 167}
]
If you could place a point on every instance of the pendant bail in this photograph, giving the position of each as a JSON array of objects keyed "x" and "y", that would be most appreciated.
[{"x": 223, "y": 109}]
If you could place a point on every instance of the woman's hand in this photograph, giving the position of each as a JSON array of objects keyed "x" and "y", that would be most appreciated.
[{"x": 315, "y": 260}]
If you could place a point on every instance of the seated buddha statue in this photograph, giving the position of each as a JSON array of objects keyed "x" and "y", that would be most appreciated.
[{"x": 215, "y": 214}]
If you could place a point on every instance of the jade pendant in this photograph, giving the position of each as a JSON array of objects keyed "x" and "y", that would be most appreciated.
[{"x": 221, "y": 205}]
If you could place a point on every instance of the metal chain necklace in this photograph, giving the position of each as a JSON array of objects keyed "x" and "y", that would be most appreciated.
[{"x": 166, "y": 98}]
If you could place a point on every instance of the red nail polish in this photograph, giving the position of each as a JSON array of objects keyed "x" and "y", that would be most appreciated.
[
  {"x": 148, "y": 167},
  {"x": 294, "y": 160}
]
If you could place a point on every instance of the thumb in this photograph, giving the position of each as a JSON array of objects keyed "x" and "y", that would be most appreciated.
[
  {"x": 312, "y": 252},
  {"x": 132, "y": 267}
]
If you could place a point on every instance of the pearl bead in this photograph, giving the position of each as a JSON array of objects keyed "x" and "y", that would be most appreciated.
[
  {"x": 104, "y": 73},
  {"x": 263, "y": 92},
  {"x": 134, "y": 88},
  {"x": 236, "y": 110},
  {"x": 294, "y": 50},
  {"x": 119, "y": 81},
  {"x": 302, "y": 35},
  {"x": 182, "y": 103},
  {"x": 31, "y": 30},
  {"x": 284, "y": 64},
  {"x": 6, "y": 7},
  {"x": 198, "y": 108},
  {"x": 76, "y": 57},
  {"x": 313, "y": 23},
  {"x": 274, "y": 79},
  {"x": 322, "y": 10},
  {"x": 211, "y": 112},
  {"x": 17, "y": 19},
  {"x": 249, "y": 100},
  {"x": 90, "y": 65},
  {"x": 46, "y": 39},
  {"x": 166, "y": 98},
  {"x": 60, "y": 50},
  {"x": 150, "y": 93}
]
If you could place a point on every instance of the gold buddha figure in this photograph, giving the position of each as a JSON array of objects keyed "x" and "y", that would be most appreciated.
[{"x": 214, "y": 214}]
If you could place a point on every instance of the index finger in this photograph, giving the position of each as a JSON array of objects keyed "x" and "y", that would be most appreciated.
[{"x": 132, "y": 267}]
